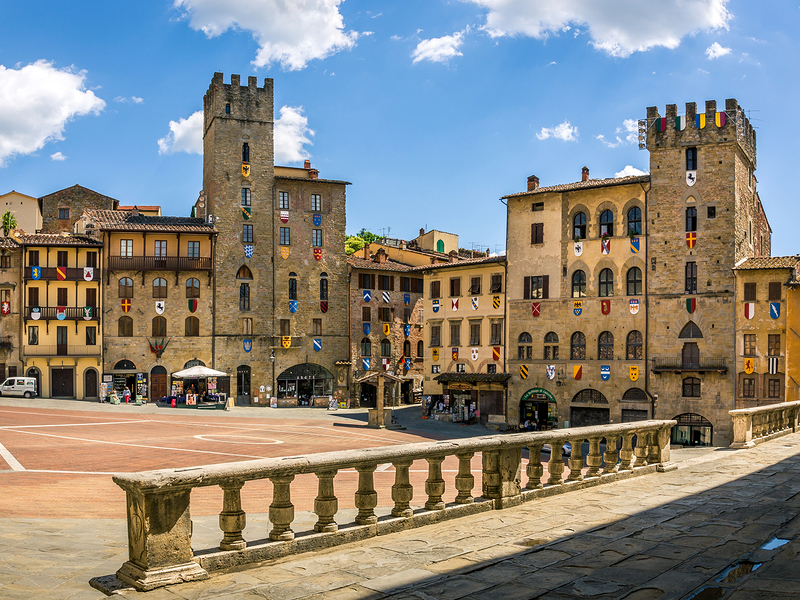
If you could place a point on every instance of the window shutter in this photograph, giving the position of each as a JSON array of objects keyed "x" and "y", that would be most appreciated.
[
  {"x": 545, "y": 286},
  {"x": 391, "y": 283},
  {"x": 527, "y": 292}
]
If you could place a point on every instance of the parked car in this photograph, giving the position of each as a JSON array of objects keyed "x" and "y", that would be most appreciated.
[{"x": 19, "y": 386}]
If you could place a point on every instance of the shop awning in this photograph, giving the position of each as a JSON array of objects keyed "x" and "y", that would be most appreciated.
[
  {"x": 473, "y": 377},
  {"x": 198, "y": 372}
]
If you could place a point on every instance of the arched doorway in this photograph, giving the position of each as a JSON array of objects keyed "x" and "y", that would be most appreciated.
[
  {"x": 36, "y": 374},
  {"x": 306, "y": 382},
  {"x": 582, "y": 416},
  {"x": 124, "y": 374},
  {"x": 90, "y": 384},
  {"x": 539, "y": 405},
  {"x": 243, "y": 394},
  {"x": 194, "y": 363},
  {"x": 692, "y": 430},
  {"x": 158, "y": 383}
]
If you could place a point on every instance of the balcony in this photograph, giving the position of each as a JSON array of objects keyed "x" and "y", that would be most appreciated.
[
  {"x": 676, "y": 364},
  {"x": 158, "y": 263},
  {"x": 71, "y": 313},
  {"x": 49, "y": 273},
  {"x": 61, "y": 350}
]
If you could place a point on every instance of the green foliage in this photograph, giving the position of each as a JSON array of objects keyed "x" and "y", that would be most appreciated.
[
  {"x": 9, "y": 222},
  {"x": 356, "y": 242},
  {"x": 368, "y": 236},
  {"x": 193, "y": 213}
]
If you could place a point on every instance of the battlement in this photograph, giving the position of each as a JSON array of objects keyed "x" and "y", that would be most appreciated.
[
  {"x": 240, "y": 102},
  {"x": 697, "y": 129}
]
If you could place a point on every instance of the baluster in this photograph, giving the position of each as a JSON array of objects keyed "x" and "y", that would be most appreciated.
[
  {"x": 594, "y": 460},
  {"x": 654, "y": 453},
  {"x": 535, "y": 469},
  {"x": 556, "y": 465},
  {"x": 611, "y": 455},
  {"x": 464, "y": 480},
  {"x": 326, "y": 504},
  {"x": 642, "y": 438},
  {"x": 281, "y": 511},
  {"x": 626, "y": 454},
  {"x": 366, "y": 497},
  {"x": 434, "y": 485},
  {"x": 576, "y": 461},
  {"x": 232, "y": 519},
  {"x": 402, "y": 490}
]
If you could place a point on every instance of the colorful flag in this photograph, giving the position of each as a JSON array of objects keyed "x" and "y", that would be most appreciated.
[
  {"x": 605, "y": 306},
  {"x": 635, "y": 245},
  {"x": 536, "y": 308},
  {"x": 700, "y": 121},
  {"x": 749, "y": 310},
  {"x": 577, "y": 371},
  {"x": 691, "y": 239},
  {"x": 774, "y": 309},
  {"x": 691, "y": 305},
  {"x": 680, "y": 123},
  {"x": 61, "y": 273},
  {"x": 719, "y": 119},
  {"x": 523, "y": 371}
]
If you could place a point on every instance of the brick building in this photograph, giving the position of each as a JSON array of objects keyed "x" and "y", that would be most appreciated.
[{"x": 60, "y": 210}]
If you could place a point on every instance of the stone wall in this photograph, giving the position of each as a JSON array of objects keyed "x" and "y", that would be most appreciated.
[{"x": 77, "y": 199}]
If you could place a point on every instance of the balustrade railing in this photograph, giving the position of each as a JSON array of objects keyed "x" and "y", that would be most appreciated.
[
  {"x": 159, "y": 520},
  {"x": 752, "y": 426}
]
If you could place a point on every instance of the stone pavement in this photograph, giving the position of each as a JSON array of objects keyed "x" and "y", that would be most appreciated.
[{"x": 670, "y": 535}]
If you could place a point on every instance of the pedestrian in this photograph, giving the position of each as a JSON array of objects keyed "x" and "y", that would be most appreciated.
[{"x": 126, "y": 394}]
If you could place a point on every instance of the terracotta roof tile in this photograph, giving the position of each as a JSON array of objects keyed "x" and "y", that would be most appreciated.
[
  {"x": 7, "y": 242},
  {"x": 116, "y": 220},
  {"x": 390, "y": 265},
  {"x": 769, "y": 262},
  {"x": 306, "y": 179},
  {"x": 464, "y": 262},
  {"x": 57, "y": 239},
  {"x": 581, "y": 185}
]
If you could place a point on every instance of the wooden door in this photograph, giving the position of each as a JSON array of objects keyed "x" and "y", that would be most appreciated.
[
  {"x": 158, "y": 386},
  {"x": 62, "y": 383},
  {"x": 90, "y": 383},
  {"x": 61, "y": 341}
]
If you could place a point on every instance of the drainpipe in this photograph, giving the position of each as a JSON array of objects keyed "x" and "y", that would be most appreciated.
[
  {"x": 646, "y": 290},
  {"x": 505, "y": 320}
]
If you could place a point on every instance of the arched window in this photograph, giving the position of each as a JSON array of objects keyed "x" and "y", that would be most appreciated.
[
  {"x": 192, "y": 288},
  {"x": 607, "y": 223},
  {"x": 244, "y": 296},
  {"x": 577, "y": 346},
  {"x": 420, "y": 348},
  {"x": 691, "y": 219},
  {"x": 245, "y": 152},
  {"x": 192, "y": 326},
  {"x": 605, "y": 346},
  {"x": 292, "y": 286},
  {"x": 407, "y": 349},
  {"x": 159, "y": 287},
  {"x": 590, "y": 396},
  {"x": 126, "y": 287},
  {"x": 366, "y": 347},
  {"x": 579, "y": 284},
  {"x": 691, "y": 387},
  {"x": 579, "y": 226},
  {"x": 386, "y": 347},
  {"x": 691, "y": 159},
  {"x": 551, "y": 345},
  {"x": 635, "y": 395},
  {"x": 635, "y": 221},
  {"x": 690, "y": 356},
  {"x": 159, "y": 327},
  {"x": 633, "y": 346},
  {"x": 691, "y": 331},
  {"x": 440, "y": 246},
  {"x": 634, "y": 281},
  {"x": 323, "y": 286},
  {"x": 244, "y": 273},
  {"x": 606, "y": 283},
  {"x": 125, "y": 327},
  {"x": 525, "y": 349}
]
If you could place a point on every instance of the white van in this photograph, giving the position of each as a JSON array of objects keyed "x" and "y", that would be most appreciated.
[{"x": 19, "y": 386}]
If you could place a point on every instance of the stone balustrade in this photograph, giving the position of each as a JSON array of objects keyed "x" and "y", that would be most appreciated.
[
  {"x": 752, "y": 426},
  {"x": 158, "y": 502}
]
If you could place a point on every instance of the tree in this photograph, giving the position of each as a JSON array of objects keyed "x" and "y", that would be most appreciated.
[
  {"x": 353, "y": 244},
  {"x": 193, "y": 213},
  {"x": 9, "y": 222},
  {"x": 368, "y": 236}
]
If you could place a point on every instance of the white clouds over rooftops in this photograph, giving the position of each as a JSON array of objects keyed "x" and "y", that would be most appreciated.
[
  {"x": 630, "y": 128},
  {"x": 291, "y": 135},
  {"x": 288, "y": 33},
  {"x": 617, "y": 27},
  {"x": 627, "y": 171},
  {"x": 716, "y": 50},
  {"x": 565, "y": 132},
  {"x": 440, "y": 49},
  {"x": 36, "y": 103}
]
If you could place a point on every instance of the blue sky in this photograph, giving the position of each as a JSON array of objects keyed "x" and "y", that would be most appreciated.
[{"x": 433, "y": 109}]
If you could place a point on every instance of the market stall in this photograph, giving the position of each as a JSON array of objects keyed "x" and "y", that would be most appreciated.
[{"x": 197, "y": 387}]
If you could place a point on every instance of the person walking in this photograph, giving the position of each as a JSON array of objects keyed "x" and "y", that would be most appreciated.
[{"x": 126, "y": 394}]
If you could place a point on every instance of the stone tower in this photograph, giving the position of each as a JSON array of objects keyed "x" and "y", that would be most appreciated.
[{"x": 703, "y": 215}]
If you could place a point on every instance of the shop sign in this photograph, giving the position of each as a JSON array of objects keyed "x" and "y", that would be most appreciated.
[{"x": 537, "y": 391}]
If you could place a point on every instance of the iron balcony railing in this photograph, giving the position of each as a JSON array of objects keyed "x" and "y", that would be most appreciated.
[
  {"x": 60, "y": 350},
  {"x": 159, "y": 263},
  {"x": 679, "y": 364},
  {"x": 71, "y": 313}
]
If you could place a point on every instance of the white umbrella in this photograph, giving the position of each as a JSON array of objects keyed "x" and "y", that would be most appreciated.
[{"x": 198, "y": 372}]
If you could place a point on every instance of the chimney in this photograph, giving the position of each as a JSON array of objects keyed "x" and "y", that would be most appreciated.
[
  {"x": 380, "y": 256},
  {"x": 585, "y": 174},
  {"x": 135, "y": 211},
  {"x": 307, "y": 164},
  {"x": 422, "y": 231},
  {"x": 533, "y": 183}
]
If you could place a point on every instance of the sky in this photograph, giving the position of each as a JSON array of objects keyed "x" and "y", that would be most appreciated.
[{"x": 433, "y": 109}]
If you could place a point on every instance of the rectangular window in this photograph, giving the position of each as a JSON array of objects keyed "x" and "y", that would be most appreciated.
[
  {"x": 247, "y": 234},
  {"x": 691, "y": 278},
  {"x": 366, "y": 314},
  {"x": 537, "y": 206},
  {"x": 497, "y": 283},
  {"x": 475, "y": 286},
  {"x": 775, "y": 291},
  {"x": 244, "y": 296},
  {"x": 316, "y": 238},
  {"x": 749, "y": 292},
  {"x": 91, "y": 297},
  {"x": 748, "y": 387},
  {"x": 496, "y": 338},
  {"x": 160, "y": 249},
  {"x": 436, "y": 335},
  {"x": 474, "y": 333},
  {"x": 366, "y": 281},
  {"x": 455, "y": 286},
  {"x": 774, "y": 344},
  {"x": 33, "y": 258},
  {"x": 712, "y": 212},
  {"x": 63, "y": 258},
  {"x": 316, "y": 327},
  {"x": 91, "y": 336},
  {"x": 285, "y": 327},
  {"x": 316, "y": 202},
  {"x": 63, "y": 214},
  {"x": 436, "y": 289},
  {"x": 245, "y": 196},
  {"x": 33, "y": 335},
  {"x": 386, "y": 282},
  {"x": 33, "y": 296},
  {"x": 749, "y": 344},
  {"x": 283, "y": 200},
  {"x": 537, "y": 233},
  {"x": 247, "y": 326},
  {"x": 455, "y": 333},
  {"x": 491, "y": 368},
  {"x": 91, "y": 259},
  {"x": 285, "y": 236},
  {"x": 385, "y": 314},
  {"x": 126, "y": 248},
  {"x": 193, "y": 249},
  {"x": 436, "y": 369},
  {"x": 5, "y": 261},
  {"x": 536, "y": 287},
  {"x": 405, "y": 284},
  {"x": 461, "y": 368},
  {"x": 774, "y": 388},
  {"x": 61, "y": 296},
  {"x": 691, "y": 159}
]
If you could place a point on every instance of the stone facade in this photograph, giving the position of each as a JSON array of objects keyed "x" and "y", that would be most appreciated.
[{"x": 70, "y": 202}]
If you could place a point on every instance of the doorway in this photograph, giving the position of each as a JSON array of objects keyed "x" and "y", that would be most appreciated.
[
  {"x": 369, "y": 395},
  {"x": 243, "y": 385},
  {"x": 62, "y": 383},
  {"x": 158, "y": 384},
  {"x": 90, "y": 383},
  {"x": 61, "y": 341},
  {"x": 305, "y": 390},
  {"x": 37, "y": 375}
]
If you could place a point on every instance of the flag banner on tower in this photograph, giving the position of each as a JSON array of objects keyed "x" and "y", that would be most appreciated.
[
  {"x": 88, "y": 313},
  {"x": 246, "y": 212},
  {"x": 475, "y": 303},
  {"x": 550, "y": 370},
  {"x": 286, "y": 341},
  {"x": 773, "y": 365},
  {"x": 36, "y": 313},
  {"x": 474, "y": 354},
  {"x": 406, "y": 299},
  {"x": 749, "y": 310},
  {"x": 317, "y": 344},
  {"x": 661, "y": 124},
  {"x": 691, "y": 305},
  {"x": 365, "y": 364},
  {"x": 36, "y": 273},
  {"x": 719, "y": 119},
  {"x": 634, "y": 373},
  {"x": 605, "y": 306},
  {"x": 284, "y": 252},
  {"x": 577, "y": 371},
  {"x": 495, "y": 302},
  {"x": 61, "y": 313},
  {"x": 366, "y": 327},
  {"x": 88, "y": 273},
  {"x": 245, "y": 170},
  {"x": 126, "y": 305},
  {"x": 700, "y": 121},
  {"x": 292, "y": 306},
  {"x": 691, "y": 239},
  {"x": 455, "y": 304},
  {"x": 284, "y": 216},
  {"x": 435, "y": 306},
  {"x": 523, "y": 371},
  {"x": 605, "y": 372},
  {"x": 774, "y": 309},
  {"x": 536, "y": 308},
  {"x": 454, "y": 353},
  {"x": 749, "y": 365},
  {"x": 193, "y": 305},
  {"x": 435, "y": 354},
  {"x": 161, "y": 305},
  {"x": 387, "y": 297},
  {"x": 367, "y": 295},
  {"x": 323, "y": 306},
  {"x": 247, "y": 345},
  {"x": 318, "y": 253},
  {"x": 61, "y": 273},
  {"x": 577, "y": 307},
  {"x": 248, "y": 251},
  {"x": 496, "y": 353},
  {"x": 316, "y": 219},
  {"x": 5, "y": 307},
  {"x": 634, "y": 303},
  {"x": 605, "y": 246},
  {"x": 386, "y": 329},
  {"x": 407, "y": 330},
  {"x": 680, "y": 123},
  {"x": 635, "y": 245}
]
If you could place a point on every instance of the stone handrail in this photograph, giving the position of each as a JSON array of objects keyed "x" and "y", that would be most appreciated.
[
  {"x": 158, "y": 502},
  {"x": 752, "y": 426}
]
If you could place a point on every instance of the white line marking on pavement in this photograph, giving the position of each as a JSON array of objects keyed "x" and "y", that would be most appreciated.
[
  {"x": 66, "y": 425},
  {"x": 260, "y": 442},
  {"x": 9, "y": 458}
]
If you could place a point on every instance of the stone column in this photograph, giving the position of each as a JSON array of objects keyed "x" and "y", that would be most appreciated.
[
  {"x": 434, "y": 485},
  {"x": 742, "y": 430},
  {"x": 611, "y": 456},
  {"x": 502, "y": 474},
  {"x": 593, "y": 460},
  {"x": 326, "y": 504},
  {"x": 232, "y": 519},
  {"x": 626, "y": 454},
  {"x": 576, "y": 461},
  {"x": 281, "y": 511},
  {"x": 402, "y": 491},
  {"x": 534, "y": 470},
  {"x": 464, "y": 480},
  {"x": 366, "y": 497},
  {"x": 641, "y": 449},
  {"x": 556, "y": 465}
]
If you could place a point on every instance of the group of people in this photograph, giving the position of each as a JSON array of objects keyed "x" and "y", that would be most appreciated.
[{"x": 529, "y": 425}]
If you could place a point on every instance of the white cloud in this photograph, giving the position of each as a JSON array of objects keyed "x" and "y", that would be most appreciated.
[
  {"x": 131, "y": 100},
  {"x": 715, "y": 51},
  {"x": 185, "y": 135},
  {"x": 439, "y": 49},
  {"x": 58, "y": 156},
  {"x": 288, "y": 33},
  {"x": 291, "y": 134},
  {"x": 629, "y": 170},
  {"x": 617, "y": 27},
  {"x": 630, "y": 128},
  {"x": 565, "y": 132},
  {"x": 36, "y": 103}
]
